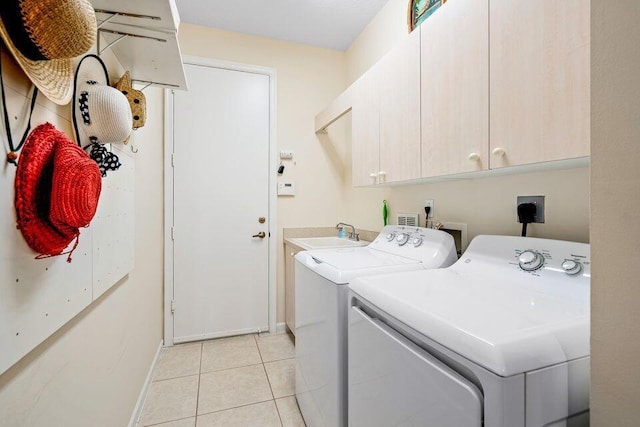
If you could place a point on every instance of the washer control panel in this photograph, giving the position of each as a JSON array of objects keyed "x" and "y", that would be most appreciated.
[
  {"x": 416, "y": 243},
  {"x": 404, "y": 236}
]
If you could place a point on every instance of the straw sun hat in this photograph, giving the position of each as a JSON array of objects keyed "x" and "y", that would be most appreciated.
[
  {"x": 44, "y": 36},
  {"x": 57, "y": 188}
]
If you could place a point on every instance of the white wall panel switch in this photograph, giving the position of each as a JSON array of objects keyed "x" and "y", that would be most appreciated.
[
  {"x": 286, "y": 189},
  {"x": 286, "y": 154}
]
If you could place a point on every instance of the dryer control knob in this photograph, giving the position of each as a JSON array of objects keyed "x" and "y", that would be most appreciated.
[
  {"x": 402, "y": 239},
  {"x": 417, "y": 241},
  {"x": 571, "y": 267},
  {"x": 391, "y": 236},
  {"x": 530, "y": 260}
]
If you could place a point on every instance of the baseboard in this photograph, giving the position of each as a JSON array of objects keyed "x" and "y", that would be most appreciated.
[
  {"x": 281, "y": 328},
  {"x": 145, "y": 387}
]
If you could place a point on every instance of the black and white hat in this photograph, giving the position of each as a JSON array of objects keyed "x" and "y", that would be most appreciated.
[{"x": 101, "y": 114}]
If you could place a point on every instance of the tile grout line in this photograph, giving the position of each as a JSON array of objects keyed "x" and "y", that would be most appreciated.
[
  {"x": 199, "y": 381},
  {"x": 164, "y": 422},
  {"x": 238, "y": 407},
  {"x": 264, "y": 368},
  {"x": 228, "y": 369},
  {"x": 255, "y": 340},
  {"x": 278, "y": 411},
  {"x": 269, "y": 381},
  {"x": 176, "y": 378}
]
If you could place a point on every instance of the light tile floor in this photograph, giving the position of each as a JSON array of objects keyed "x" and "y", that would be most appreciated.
[{"x": 243, "y": 381}]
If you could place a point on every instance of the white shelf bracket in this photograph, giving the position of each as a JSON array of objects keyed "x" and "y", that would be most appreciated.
[
  {"x": 121, "y": 37},
  {"x": 126, "y": 14}
]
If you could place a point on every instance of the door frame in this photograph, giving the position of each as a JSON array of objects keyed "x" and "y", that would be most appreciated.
[{"x": 169, "y": 188}]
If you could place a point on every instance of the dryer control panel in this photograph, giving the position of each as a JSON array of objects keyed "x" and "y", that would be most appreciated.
[{"x": 531, "y": 256}]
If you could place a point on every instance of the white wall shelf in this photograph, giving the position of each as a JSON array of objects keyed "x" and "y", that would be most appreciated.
[
  {"x": 161, "y": 15},
  {"x": 143, "y": 36}
]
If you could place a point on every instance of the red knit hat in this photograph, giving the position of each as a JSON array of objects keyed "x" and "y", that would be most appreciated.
[{"x": 57, "y": 189}]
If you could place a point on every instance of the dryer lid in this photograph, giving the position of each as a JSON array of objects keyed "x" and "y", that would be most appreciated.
[{"x": 502, "y": 325}]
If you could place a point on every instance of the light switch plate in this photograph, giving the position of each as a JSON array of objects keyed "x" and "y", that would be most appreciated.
[
  {"x": 286, "y": 154},
  {"x": 286, "y": 189}
]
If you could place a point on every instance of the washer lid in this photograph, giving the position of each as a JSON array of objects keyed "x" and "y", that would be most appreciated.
[
  {"x": 340, "y": 266},
  {"x": 359, "y": 258},
  {"x": 507, "y": 326}
]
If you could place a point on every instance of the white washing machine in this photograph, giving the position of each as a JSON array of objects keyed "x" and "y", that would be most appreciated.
[
  {"x": 499, "y": 339},
  {"x": 321, "y": 279}
]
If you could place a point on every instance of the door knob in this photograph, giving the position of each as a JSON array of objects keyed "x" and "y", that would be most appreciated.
[{"x": 261, "y": 235}]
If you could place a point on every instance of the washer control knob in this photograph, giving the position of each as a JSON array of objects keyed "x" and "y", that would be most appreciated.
[
  {"x": 417, "y": 241},
  {"x": 571, "y": 267},
  {"x": 391, "y": 236},
  {"x": 402, "y": 239},
  {"x": 530, "y": 260}
]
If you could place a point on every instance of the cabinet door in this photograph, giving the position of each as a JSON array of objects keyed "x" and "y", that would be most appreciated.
[
  {"x": 539, "y": 81},
  {"x": 365, "y": 122},
  {"x": 455, "y": 89},
  {"x": 289, "y": 288},
  {"x": 400, "y": 112}
]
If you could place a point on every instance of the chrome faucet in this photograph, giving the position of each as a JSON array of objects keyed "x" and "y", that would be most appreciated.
[{"x": 352, "y": 235}]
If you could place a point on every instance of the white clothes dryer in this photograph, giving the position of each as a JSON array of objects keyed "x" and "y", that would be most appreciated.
[
  {"x": 321, "y": 279},
  {"x": 499, "y": 339}
]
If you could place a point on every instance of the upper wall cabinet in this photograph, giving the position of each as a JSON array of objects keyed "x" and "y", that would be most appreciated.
[
  {"x": 455, "y": 89},
  {"x": 143, "y": 36},
  {"x": 400, "y": 112},
  {"x": 540, "y": 81},
  {"x": 386, "y": 118},
  {"x": 365, "y": 133}
]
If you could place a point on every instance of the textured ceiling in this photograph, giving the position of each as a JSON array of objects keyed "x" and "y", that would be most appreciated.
[{"x": 333, "y": 24}]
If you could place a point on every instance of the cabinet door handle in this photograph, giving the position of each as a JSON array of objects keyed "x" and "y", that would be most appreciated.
[
  {"x": 293, "y": 254},
  {"x": 499, "y": 152},
  {"x": 373, "y": 175},
  {"x": 382, "y": 173},
  {"x": 474, "y": 157}
]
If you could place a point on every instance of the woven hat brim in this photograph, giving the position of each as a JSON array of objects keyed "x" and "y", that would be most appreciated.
[
  {"x": 33, "y": 180},
  {"x": 53, "y": 78},
  {"x": 90, "y": 67},
  {"x": 76, "y": 187}
]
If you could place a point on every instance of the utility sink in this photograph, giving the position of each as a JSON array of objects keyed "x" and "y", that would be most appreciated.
[{"x": 310, "y": 243}]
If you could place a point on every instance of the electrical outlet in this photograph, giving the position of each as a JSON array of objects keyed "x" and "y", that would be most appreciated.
[
  {"x": 429, "y": 203},
  {"x": 536, "y": 200}
]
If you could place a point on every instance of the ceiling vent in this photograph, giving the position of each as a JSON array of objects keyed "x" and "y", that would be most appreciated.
[{"x": 410, "y": 220}]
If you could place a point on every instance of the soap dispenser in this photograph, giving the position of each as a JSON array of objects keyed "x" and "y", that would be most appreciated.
[{"x": 342, "y": 233}]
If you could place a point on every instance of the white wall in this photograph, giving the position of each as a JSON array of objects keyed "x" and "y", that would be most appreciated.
[
  {"x": 488, "y": 204},
  {"x": 615, "y": 209},
  {"x": 308, "y": 79},
  {"x": 90, "y": 372}
]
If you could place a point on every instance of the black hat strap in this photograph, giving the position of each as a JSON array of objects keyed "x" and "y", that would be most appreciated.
[{"x": 13, "y": 149}]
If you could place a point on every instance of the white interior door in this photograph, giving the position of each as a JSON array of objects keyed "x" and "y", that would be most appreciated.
[{"x": 221, "y": 190}]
